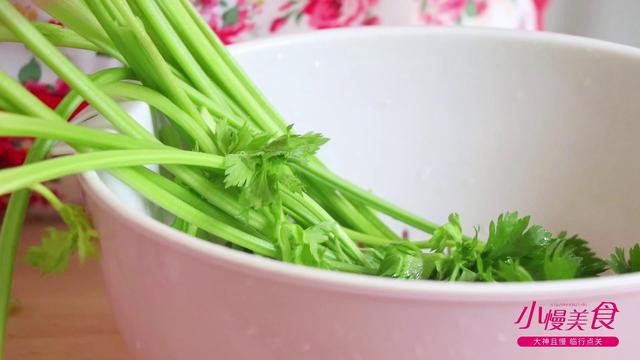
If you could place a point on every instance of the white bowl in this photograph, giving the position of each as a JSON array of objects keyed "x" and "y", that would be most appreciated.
[{"x": 437, "y": 120}]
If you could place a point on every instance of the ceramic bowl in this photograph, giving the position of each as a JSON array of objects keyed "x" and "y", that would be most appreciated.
[{"x": 437, "y": 120}]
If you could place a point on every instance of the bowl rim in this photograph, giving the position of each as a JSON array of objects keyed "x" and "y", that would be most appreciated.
[{"x": 458, "y": 291}]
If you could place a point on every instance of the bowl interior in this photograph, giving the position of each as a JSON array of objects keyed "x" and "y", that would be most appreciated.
[{"x": 476, "y": 122}]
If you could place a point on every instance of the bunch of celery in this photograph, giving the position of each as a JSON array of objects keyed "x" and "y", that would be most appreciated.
[{"x": 232, "y": 167}]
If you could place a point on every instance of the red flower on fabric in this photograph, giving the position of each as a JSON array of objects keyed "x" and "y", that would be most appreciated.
[
  {"x": 371, "y": 20},
  {"x": 324, "y": 14},
  {"x": 13, "y": 151},
  {"x": 51, "y": 94},
  {"x": 227, "y": 18},
  {"x": 277, "y": 24},
  {"x": 541, "y": 6}
]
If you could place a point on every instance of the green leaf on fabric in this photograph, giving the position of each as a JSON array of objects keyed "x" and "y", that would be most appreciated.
[
  {"x": 30, "y": 71},
  {"x": 230, "y": 17}
]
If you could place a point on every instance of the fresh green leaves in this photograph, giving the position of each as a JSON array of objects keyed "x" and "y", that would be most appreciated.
[
  {"x": 403, "y": 262},
  {"x": 619, "y": 263},
  {"x": 460, "y": 255},
  {"x": 451, "y": 256},
  {"x": 304, "y": 246},
  {"x": 560, "y": 261},
  {"x": 295, "y": 147},
  {"x": 511, "y": 236},
  {"x": 258, "y": 164},
  {"x": 54, "y": 252},
  {"x": 242, "y": 140},
  {"x": 514, "y": 251},
  {"x": 511, "y": 270},
  {"x": 519, "y": 252},
  {"x": 590, "y": 264},
  {"x": 240, "y": 170},
  {"x": 447, "y": 234}
]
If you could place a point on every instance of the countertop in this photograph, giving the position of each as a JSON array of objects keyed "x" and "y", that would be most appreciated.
[{"x": 64, "y": 317}]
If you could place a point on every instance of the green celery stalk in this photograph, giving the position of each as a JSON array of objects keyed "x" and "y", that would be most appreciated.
[
  {"x": 77, "y": 17},
  {"x": 17, "y": 207},
  {"x": 220, "y": 50},
  {"x": 156, "y": 100},
  {"x": 132, "y": 37},
  {"x": 29, "y": 126},
  {"x": 366, "y": 197},
  {"x": 374, "y": 220},
  {"x": 175, "y": 205},
  {"x": 57, "y": 35},
  {"x": 213, "y": 65},
  {"x": 371, "y": 240},
  {"x": 76, "y": 79},
  {"x": 6, "y": 106},
  {"x": 105, "y": 76},
  {"x": 176, "y": 47},
  {"x": 17, "y": 178},
  {"x": 108, "y": 108},
  {"x": 273, "y": 118},
  {"x": 196, "y": 201}
]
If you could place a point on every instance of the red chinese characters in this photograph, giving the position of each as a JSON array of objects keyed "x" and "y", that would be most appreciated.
[
  {"x": 580, "y": 318},
  {"x": 603, "y": 315}
]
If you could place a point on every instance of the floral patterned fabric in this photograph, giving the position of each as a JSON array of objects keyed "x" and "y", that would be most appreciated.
[{"x": 243, "y": 20}]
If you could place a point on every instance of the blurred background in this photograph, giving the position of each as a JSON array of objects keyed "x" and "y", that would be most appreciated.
[{"x": 612, "y": 20}]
